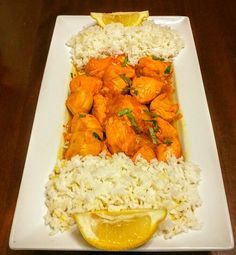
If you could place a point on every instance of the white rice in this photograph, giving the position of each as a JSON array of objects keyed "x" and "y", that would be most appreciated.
[
  {"x": 95, "y": 183},
  {"x": 114, "y": 39}
]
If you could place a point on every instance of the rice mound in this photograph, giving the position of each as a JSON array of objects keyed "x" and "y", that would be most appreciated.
[
  {"x": 114, "y": 39},
  {"x": 116, "y": 183}
]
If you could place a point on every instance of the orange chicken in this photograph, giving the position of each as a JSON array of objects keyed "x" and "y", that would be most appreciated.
[
  {"x": 145, "y": 89},
  {"x": 120, "y": 136},
  {"x": 148, "y": 66},
  {"x": 80, "y": 101},
  {"x": 83, "y": 143},
  {"x": 146, "y": 152},
  {"x": 117, "y": 78},
  {"x": 163, "y": 107},
  {"x": 90, "y": 83},
  {"x": 97, "y": 67}
]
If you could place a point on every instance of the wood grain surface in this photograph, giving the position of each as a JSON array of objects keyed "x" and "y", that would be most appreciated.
[{"x": 25, "y": 32}]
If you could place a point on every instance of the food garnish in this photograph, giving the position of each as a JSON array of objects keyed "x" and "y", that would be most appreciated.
[
  {"x": 154, "y": 115},
  {"x": 125, "y": 62},
  {"x": 119, "y": 230},
  {"x": 156, "y": 128},
  {"x": 129, "y": 114},
  {"x": 126, "y": 18},
  {"x": 82, "y": 115},
  {"x": 167, "y": 70},
  {"x": 153, "y": 135},
  {"x": 124, "y": 111},
  {"x": 157, "y": 58},
  {"x": 136, "y": 92},
  {"x": 97, "y": 136},
  {"x": 126, "y": 79},
  {"x": 167, "y": 142}
]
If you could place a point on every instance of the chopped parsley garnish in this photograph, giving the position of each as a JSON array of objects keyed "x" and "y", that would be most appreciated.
[
  {"x": 133, "y": 121},
  {"x": 124, "y": 111},
  {"x": 167, "y": 142},
  {"x": 71, "y": 75},
  {"x": 125, "y": 62},
  {"x": 153, "y": 135},
  {"x": 136, "y": 92},
  {"x": 97, "y": 136},
  {"x": 154, "y": 115},
  {"x": 157, "y": 58},
  {"x": 156, "y": 127},
  {"x": 167, "y": 71},
  {"x": 129, "y": 114},
  {"x": 82, "y": 115},
  {"x": 126, "y": 79}
]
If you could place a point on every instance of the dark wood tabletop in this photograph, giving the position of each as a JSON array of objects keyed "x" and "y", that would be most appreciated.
[{"x": 25, "y": 32}]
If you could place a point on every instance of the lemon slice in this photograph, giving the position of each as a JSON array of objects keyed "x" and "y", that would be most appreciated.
[
  {"x": 122, "y": 230},
  {"x": 126, "y": 18}
]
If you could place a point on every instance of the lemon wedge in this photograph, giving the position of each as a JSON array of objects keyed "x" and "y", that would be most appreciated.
[
  {"x": 116, "y": 231},
  {"x": 126, "y": 18}
]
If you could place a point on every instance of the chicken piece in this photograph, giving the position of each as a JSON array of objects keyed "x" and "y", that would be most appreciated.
[
  {"x": 97, "y": 67},
  {"x": 147, "y": 66},
  {"x": 147, "y": 119},
  {"x": 121, "y": 103},
  {"x": 93, "y": 84},
  {"x": 83, "y": 122},
  {"x": 121, "y": 59},
  {"x": 167, "y": 148},
  {"x": 145, "y": 89},
  {"x": 165, "y": 130},
  {"x": 146, "y": 152},
  {"x": 168, "y": 89},
  {"x": 144, "y": 140},
  {"x": 120, "y": 136},
  {"x": 100, "y": 108},
  {"x": 163, "y": 107},
  {"x": 105, "y": 150},
  {"x": 80, "y": 102},
  {"x": 117, "y": 78},
  {"x": 83, "y": 143}
]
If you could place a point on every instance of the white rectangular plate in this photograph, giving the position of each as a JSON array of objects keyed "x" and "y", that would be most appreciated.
[{"x": 28, "y": 229}]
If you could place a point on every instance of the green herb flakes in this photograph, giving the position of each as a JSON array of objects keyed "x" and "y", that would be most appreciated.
[
  {"x": 126, "y": 79},
  {"x": 167, "y": 142},
  {"x": 153, "y": 135},
  {"x": 157, "y": 58},
  {"x": 97, "y": 136},
  {"x": 125, "y": 62},
  {"x": 167, "y": 70},
  {"x": 151, "y": 113},
  {"x": 124, "y": 111}
]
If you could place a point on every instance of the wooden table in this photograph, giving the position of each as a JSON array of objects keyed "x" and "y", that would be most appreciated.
[{"x": 26, "y": 28}]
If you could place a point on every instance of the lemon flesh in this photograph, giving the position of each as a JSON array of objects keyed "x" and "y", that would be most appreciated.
[
  {"x": 117, "y": 231},
  {"x": 126, "y": 18}
]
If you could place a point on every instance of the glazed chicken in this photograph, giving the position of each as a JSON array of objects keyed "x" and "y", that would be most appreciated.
[
  {"x": 116, "y": 107},
  {"x": 120, "y": 136},
  {"x": 146, "y": 152},
  {"x": 151, "y": 67},
  {"x": 80, "y": 101},
  {"x": 97, "y": 67},
  {"x": 116, "y": 78},
  {"x": 145, "y": 89},
  {"x": 92, "y": 84},
  {"x": 164, "y": 107}
]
